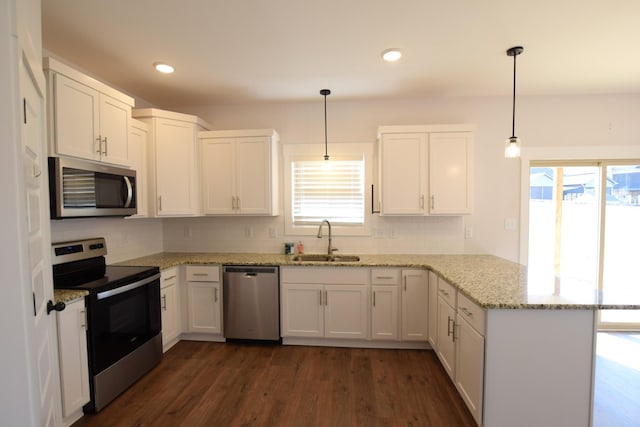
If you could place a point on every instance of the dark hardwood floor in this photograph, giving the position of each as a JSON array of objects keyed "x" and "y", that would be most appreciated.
[{"x": 231, "y": 384}]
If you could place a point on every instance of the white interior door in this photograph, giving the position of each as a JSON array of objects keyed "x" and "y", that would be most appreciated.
[{"x": 39, "y": 243}]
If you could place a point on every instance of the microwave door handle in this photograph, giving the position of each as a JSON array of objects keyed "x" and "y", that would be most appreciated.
[{"x": 129, "y": 198}]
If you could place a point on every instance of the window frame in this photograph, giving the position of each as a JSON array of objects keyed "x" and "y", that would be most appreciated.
[{"x": 337, "y": 151}]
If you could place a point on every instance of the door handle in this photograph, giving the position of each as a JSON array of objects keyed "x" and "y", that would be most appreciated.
[{"x": 55, "y": 307}]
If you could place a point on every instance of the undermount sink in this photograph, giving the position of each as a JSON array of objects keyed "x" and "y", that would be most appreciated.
[{"x": 326, "y": 258}]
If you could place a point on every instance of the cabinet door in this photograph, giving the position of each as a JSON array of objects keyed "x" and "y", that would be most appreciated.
[
  {"x": 415, "y": 305},
  {"x": 302, "y": 310},
  {"x": 176, "y": 184},
  {"x": 170, "y": 315},
  {"x": 384, "y": 312},
  {"x": 402, "y": 174},
  {"x": 450, "y": 173},
  {"x": 218, "y": 176},
  {"x": 433, "y": 309},
  {"x": 470, "y": 366},
  {"x": 76, "y": 119},
  {"x": 204, "y": 307},
  {"x": 346, "y": 310},
  {"x": 138, "y": 160},
  {"x": 446, "y": 345},
  {"x": 253, "y": 175},
  {"x": 72, "y": 348},
  {"x": 114, "y": 130}
]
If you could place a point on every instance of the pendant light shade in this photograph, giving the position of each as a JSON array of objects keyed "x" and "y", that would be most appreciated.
[
  {"x": 512, "y": 144},
  {"x": 325, "y": 92}
]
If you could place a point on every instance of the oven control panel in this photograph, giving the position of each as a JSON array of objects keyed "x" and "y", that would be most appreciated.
[{"x": 76, "y": 250}]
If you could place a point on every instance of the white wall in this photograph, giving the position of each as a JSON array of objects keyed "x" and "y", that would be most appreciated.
[
  {"x": 572, "y": 121},
  {"x": 126, "y": 238}
]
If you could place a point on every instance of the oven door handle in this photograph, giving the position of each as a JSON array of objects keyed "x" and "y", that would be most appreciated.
[{"x": 127, "y": 288}]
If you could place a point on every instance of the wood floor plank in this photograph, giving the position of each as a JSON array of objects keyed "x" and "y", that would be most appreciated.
[{"x": 239, "y": 384}]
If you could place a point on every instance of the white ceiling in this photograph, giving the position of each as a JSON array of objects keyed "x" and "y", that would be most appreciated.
[{"x": 281, "y": 50}]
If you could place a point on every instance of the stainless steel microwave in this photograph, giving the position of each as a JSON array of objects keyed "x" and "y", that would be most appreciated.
[{"x": 79, "y": 188}]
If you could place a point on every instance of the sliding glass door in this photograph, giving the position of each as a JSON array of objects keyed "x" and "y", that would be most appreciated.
[{"x": 584, "y": 230}]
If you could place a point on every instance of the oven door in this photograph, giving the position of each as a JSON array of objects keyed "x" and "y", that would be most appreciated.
[{"x": 121, "y": 320}]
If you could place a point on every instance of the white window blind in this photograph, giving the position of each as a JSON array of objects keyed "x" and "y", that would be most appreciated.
[{"x": 332, "y": 190}]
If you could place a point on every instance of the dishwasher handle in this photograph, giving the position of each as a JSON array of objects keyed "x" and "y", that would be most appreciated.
[{"x": 250, "y": 271}]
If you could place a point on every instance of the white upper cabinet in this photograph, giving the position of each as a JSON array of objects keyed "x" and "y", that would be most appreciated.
[
  {"x": 87, "y": 119},
  {"x": 426, "y": 170},
  {"x": 138, "y": 136},
  {"x": 450, "y": 173},
  {"x": 239, "y": 171},
  {"x": 173, "y": 162}
]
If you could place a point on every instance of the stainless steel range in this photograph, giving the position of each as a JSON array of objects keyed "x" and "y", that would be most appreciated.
[{"x": 123, "y": 316}]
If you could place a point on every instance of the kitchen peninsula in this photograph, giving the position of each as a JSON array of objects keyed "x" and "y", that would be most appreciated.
[{"x": 539, "y": 337}]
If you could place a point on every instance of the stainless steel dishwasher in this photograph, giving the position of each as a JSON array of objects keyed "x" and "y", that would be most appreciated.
[{"x": 251, "y": 302}]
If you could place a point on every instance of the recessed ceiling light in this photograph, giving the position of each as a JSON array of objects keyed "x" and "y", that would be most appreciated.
[
  {"x": 391, "y": 55},
  {"x": 163, "y": 68}
]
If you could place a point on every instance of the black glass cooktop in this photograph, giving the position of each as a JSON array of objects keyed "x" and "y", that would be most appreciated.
[{"x": 114, "y": 276}]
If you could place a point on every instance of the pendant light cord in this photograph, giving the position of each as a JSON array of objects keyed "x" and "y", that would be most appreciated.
[
  {"x": 325, "y": 92},
  {"x": 513, "y": 119}
]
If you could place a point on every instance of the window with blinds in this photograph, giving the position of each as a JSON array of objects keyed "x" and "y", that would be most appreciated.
[{"x": 332, "y": 190}]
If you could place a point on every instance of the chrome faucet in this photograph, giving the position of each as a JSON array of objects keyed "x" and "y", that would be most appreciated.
[{"x": 329, "y": 248}]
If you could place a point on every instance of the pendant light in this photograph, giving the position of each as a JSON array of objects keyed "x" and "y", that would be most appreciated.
[
  {"x": 512, "y": 145},
  {"x": 325, "y": 92}
]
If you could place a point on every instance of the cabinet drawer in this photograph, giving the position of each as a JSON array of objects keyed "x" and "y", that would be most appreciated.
[
  {"x": 168, "y": 277},
  {"x": 325, "y": 275},
  {"x": 447, "y": 292},
  {"x": 471, "y": 312},
  {"x": 385, "y": 276},
  {"x": 203, "y": 273}
]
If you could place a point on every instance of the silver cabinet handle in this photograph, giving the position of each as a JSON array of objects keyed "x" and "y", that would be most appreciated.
[
  {"x": 169, "y": 278},
  {"x": 445, "y": 293},
  {"x": 164, "y": 302},
  {"x": 448, "y": 326},
  {"x": 99, "y": 149},
  {"x": 405, "y": 283},
  {"x": 159, "y": 203},
  {"x": 83, "y": 319},
  {"x": 215, "y": 294},
  {"x": 422, "y": 201},
  {"x": 466, "y": 311},
  {"x": 374, "y": 298},
  {"x": 384, "y": 277},
  {"x": 326, "y": 297},
  {"x": 320, "y": 296},
  {"x": 200, "y": 274},
  {"x": 105, "y": 145},
  {"x": 238, "y": 202},
  {"x": 433, "y": 201}
]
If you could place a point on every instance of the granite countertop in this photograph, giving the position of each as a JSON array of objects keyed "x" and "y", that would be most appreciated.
[
  {"x": 68, "y": 295},
  {"x": 490, "y": 281}
]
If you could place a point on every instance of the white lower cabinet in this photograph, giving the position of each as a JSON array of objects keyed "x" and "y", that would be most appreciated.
[
  {"x": 324, "y": 302},
  {"x": 170, "y": 308},
  {"x": 415, "y": 305},
  {"x": 74, "y": 366},
  {"x": 204, "y": 299},
  {"x": 385, "y": 304},
  {"x": 460, "y": 344},
  {"x": 433, "y": 310}
]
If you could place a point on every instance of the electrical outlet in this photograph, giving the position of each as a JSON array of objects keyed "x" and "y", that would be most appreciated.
[
  {"x": 510, "y": 224},
  {"x": 468, "y": 232},
  {"x": 248, "y": 232},
  {"x": 273, "y": 232},
  {"x": 378, "y": 233}
]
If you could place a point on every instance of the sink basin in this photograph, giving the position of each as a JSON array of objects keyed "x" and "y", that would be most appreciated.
[{"x": 326, "y": 258}]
